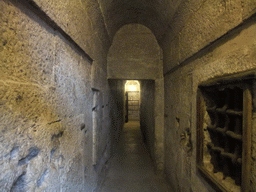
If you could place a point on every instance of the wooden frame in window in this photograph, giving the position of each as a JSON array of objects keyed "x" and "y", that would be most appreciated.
[{"x": 246, "y": 113}]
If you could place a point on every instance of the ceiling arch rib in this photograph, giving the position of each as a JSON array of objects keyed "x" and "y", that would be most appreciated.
[{"x": 154, "y": 14}]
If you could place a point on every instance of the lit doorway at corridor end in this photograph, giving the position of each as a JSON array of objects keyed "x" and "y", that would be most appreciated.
[{"x": 132, "y": 100}]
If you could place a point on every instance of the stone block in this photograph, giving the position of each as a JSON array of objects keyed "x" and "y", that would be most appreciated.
[
  {"x": 27, "y": 48},
  {"x": 248, "y": 8}
]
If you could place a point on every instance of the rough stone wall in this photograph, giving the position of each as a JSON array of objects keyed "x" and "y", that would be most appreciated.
[
  {"x": 83, "y": 21},
  {"x": 230, "y": 54},
  {"x": 46, "y": 96},
  {"x": 197, "y": 23},
  {"x": 147, "y": 120},
  {"x": 151, "y": 120},
  {"x": 159, "y": 125},
  {"x": 116, "y": 110},
  {"x": 135, "y": 54}
]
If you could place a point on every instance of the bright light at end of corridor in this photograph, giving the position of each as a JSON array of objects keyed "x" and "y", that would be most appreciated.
[{"x": 132, "y": 88}]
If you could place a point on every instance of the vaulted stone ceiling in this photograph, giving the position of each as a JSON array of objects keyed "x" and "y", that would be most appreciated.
[{"x": 154, "y": 14}]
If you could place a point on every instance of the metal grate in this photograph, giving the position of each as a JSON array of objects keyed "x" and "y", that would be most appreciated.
[
  {"x": 225, "y": 130},
  {"x": 224, "y": 134}
]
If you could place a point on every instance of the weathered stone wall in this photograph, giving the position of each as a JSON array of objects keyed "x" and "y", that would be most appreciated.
[
  {"x": 134, "y": 54},
  {"x": 196, "y": 24},
  {"x": 151, "y": 120},
  {"x": 187, "y": 65},
  {"x": 83, "y": 21},
  {"x": 46, "y": 96},
  {"x": 117, "y": 103},
  {"x": 147, "y": 120},
  {"x": 159, "y": 125}
]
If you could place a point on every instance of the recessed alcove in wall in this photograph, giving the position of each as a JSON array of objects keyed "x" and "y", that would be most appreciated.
[{"x": 224, "y": 110}]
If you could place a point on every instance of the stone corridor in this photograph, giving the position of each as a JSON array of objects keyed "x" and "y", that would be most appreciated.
[
  {"x": 64, "y": 65},
  {"x": 131, "y": 168}
]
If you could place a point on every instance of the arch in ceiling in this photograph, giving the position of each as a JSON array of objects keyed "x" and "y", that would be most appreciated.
[
  {"x": 154, "y": 14},
  {"x": 134, "y": 54}
]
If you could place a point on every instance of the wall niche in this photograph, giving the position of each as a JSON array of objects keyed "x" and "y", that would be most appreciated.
[{"x": 224, "y": 115}]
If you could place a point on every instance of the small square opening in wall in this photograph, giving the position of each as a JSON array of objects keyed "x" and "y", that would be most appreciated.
[{"x": 224, "y": 115}]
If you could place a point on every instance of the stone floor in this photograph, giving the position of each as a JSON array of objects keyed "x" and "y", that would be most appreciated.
[{"x": 130, "y": 168}]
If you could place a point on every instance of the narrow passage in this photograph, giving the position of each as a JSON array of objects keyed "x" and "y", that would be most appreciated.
[{"x": 131, "y": 169}]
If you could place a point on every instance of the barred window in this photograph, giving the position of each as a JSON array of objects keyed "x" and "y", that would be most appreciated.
[{"x": 224, "y": 113}]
